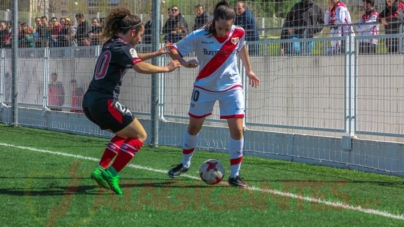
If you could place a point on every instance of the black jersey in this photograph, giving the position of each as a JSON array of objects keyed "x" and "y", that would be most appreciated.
[{"x": 117, "y": 56}]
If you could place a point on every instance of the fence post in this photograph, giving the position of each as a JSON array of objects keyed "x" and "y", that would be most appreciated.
[
  {"x": 45, "y": 81},
  {"x": 154, "y": 111},
  {"x": 2, "y": 76},
  {"x": 162, "y": 89},
  {"x": 350, "y": 86},
  {"x": 400, "y": 40},
  {"x": 14, "y": 65},
  {"x": 263, "y": 26}
]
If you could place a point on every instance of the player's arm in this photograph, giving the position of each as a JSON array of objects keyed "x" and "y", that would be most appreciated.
[
  {"x": 176, "y": 56},
  {"x": 245, "y": 59},
  {"x": 161, "y": 51},
  {"x": 147, "y": 68}
]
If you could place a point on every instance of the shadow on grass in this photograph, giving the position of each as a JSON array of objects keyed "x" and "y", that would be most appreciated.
[{"x": 54, "y": 190}]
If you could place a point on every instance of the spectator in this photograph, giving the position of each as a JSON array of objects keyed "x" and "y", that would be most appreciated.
[
  {"x": 26, "y": 39},
  {"x": 56, "y": 28},
  {"x": 56, "y": 93},
  {"x": 94, "y": 34},
  {"x": 176, "y": 35},
  {"x": 148, "y": 29},
  {"x": 246, "y": 19},
  {"x": 3, "y": 34},
  {"x": 82, "y": 30},
  {"x": 305, "y": 15},
  {"x": 368, "y": 46},
  {"x": 175, "y": 19},
  {"x": 62, "y": 21},
  {"x": 337, "y": 14},
  {"x": 77, "y": 97},
  {"x": 40, "y": 33},
  {"x": 285, "y": 35},
  {"x": 169, "y": 13},
  {"x": 390, "y": 18},
  {"x": 7, "y": 40},
  {"x": 44, "y": 21},
  {"x": 66, "y": 37},
  {"x": 202, "y": 18}
]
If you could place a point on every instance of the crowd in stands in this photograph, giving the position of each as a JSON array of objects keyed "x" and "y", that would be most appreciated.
[
  {"x": 62, "y": 32},
  {"x": 54, "y": 33}
]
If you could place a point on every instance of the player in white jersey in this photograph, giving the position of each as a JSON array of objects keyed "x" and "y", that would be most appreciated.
[
  {"x": 337, "y": 14},
  {"x": 367, "y": 27},
  {"x": 216, "y": 46}
]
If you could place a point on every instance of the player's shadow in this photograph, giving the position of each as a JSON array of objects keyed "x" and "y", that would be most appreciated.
[{"x": 54, "y": 190}]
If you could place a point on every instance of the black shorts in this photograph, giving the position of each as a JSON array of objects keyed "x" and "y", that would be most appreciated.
[{"x": 109, "y": 114}]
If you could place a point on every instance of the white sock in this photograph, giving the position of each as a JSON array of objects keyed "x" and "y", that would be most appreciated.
[
  {"x": 188, "y": 148},
  {"x": 236, "y": 156}
]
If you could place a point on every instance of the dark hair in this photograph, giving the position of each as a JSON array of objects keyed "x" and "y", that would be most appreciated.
[
  {"x": 73, "y": 81},
  {"x": 372, "y": 2},
  {"x": 79, "y": 15},
  {"x": 222, "y": 12},
  {"x": 44, "y": 17},
  {"x": 198, "y": 6},
  {"x": 54, "y": 74},
  {"x": 120, "y": 20}
]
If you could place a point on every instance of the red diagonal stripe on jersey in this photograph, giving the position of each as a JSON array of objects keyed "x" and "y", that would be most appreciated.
[{"x": 221, "y": 56}]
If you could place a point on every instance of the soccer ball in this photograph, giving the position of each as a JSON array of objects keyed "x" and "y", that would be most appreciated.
[{"x": 211, "y": 171}]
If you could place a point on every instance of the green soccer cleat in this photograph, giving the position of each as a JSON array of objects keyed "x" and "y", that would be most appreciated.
[
  {"x": 97, "y": 177},
  {"x": 112, "y": 177}
]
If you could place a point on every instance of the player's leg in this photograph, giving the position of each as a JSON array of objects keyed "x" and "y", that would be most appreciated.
[
  {"x": 190, "y": 142},
  {"x": 232, "y": 108},
  {"x": 109, "y": 153},
  {"x": 129, "y": 137},
  {"x": 236, "y": 145},
  {"x": 202, "y": 103},
  {"x": 135, "y": 136}
]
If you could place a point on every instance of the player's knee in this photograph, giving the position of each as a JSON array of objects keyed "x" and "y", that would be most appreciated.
[
  {"x": 142, "y": 136},
  {"x": 193, "y": 129},
  {"x": 236, "y": 134}
]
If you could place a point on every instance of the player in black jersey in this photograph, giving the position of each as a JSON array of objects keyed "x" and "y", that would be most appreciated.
[{"x": 100, "y": 104}]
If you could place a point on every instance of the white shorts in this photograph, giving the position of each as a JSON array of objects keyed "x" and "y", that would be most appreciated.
[{"x": 231, "y": 103}]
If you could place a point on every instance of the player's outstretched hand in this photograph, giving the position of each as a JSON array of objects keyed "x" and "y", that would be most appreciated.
[
  {"x": 253, "y": 79},
  {"x": 173, "y": 65},
  {"x": 165, "y": 49},
  {"x": 191, "y": 64}
]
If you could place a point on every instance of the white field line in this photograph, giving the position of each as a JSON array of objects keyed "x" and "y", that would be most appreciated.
[{"x": 270, "y": 191}]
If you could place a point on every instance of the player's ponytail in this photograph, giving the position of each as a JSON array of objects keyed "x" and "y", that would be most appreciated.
[
  {"x": 222, "y": 11},
  {"x": 120, "y": 20}
]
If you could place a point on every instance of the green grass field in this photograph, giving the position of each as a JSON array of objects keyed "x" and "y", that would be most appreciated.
[{"x": 45, "y": 182}]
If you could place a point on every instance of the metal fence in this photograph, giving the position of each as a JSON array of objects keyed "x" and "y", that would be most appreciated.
[{"x": 336, "y": 93}]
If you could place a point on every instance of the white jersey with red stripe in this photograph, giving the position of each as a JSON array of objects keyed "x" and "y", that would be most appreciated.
[
  {"x": 339, "y": 15},
  {"x": 217, "y": 58}
]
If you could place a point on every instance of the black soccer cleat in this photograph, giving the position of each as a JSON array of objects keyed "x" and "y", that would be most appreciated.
[
  {"x": 177, "y": 171},
  {"x": 237, "y": 182}
]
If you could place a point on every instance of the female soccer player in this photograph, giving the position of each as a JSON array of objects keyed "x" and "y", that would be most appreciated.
[
  {"x": 216, "y": 47},
  {"x": 123, "y": 31}
]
